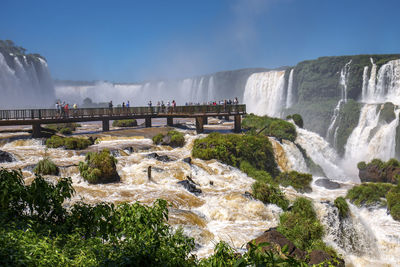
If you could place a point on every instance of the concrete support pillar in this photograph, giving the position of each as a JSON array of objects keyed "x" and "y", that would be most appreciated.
[
  {"x": 36, "y": 133},
  {"x": 106, "y": 125},
  {"x": 205, "y": 120},
  {"x": 238, "y": 124},
  {"x": 170, "y": 121},
  {"x": 199, "y": 125},
  {"x": 227, "y": 117},
  {"x": 147, "y": 122}
]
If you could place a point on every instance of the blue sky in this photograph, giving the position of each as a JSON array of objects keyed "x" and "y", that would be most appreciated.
[{"x": 132, "y": 41}]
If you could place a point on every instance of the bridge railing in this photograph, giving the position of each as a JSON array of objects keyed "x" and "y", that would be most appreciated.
[{"x": 31, "y": 114}]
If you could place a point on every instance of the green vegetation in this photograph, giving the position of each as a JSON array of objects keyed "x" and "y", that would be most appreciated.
[
  {"x": 349, "y": 115},
  {"x": 341, "y": 204},
  {"x": 387, "y": 114},
  {"x": 298, "y": 120},
  {"x": 268, "y": 193},
  {"x": 124, "y": 123},
  {"x": 393, "y": 201},
  {"x": 301, "y": 226},
  {"x": 316, "y": 114},
  {"x": 68, "y": 142},
  {"x": 46, "y": 167},
  {"x": 99, "y": 167},
  {"x": 63, "y": 128},
  {"x": 37, "y": 230},
  {"x": 173, "y": 138},
  {"x": 362, "y": 165},
  {"x": 278, "y": 128},
  {"x": 232, "y": 149},
  {"x": 299, "y": 181},
  {"x": 369, "y": 194}
]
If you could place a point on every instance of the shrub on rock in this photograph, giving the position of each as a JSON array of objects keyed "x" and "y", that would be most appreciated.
[
  {"x": 99, "y": 167},
  {"x": 298, "y": 120},
  {"x": 46, "y": 167},
  {"x": 68, "y": 142},
  {"x": 278, "y": 128},
  {"x": 270, "y": 194},
  {"x": 299, "y": 181},
  {"x": 369, "y": 194},
  {"x": 173, "y": 138},
  {"x": 341, "y": 204},
  {"x": 125, "y": 123}
]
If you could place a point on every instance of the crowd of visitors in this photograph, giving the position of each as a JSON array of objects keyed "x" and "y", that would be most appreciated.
[{"x": 63, "y": 109}]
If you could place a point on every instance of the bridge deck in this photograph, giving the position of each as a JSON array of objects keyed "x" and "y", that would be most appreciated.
[{"x": 46, "y": 116}]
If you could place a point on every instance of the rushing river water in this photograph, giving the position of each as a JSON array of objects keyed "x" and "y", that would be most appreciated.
[{"x": 222, "y": 211}]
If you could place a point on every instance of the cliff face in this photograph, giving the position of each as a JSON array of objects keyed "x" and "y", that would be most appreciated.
[
  {"x": 317, "y": 87},
  {"x": 25, "y": 80}
]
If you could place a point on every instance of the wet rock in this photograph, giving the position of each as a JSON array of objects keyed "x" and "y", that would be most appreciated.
[
  {"x": 166, "y": 140},
  {"x": 6, "y": 157},
  {"x": 188, "y": 160},
  {"x": 328, "y": 184},
  {"x": 29, "y": 168},
  {"x": 376, "y": 174},
  {"x": 319, "y": 256},
  {"x": 191, "y": 187},
  {"x": 273, "y": 237},
  {"x": 248, "y": 195},
  {"x": 163, "y": 158}
]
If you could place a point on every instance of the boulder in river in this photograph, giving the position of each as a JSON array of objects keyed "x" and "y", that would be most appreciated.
[
  {"x": 6, "y": 157},
  {"x": 163, "y": 158},
  {"x": 328, "y": 184},
  {"x": 190, "y": 186}
]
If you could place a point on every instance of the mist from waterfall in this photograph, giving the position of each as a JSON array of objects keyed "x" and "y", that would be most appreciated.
[{"x": 25, "y": 82}]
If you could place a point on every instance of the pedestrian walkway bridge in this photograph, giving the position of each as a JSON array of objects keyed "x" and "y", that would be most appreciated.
[{"x": 36, "y": 117}]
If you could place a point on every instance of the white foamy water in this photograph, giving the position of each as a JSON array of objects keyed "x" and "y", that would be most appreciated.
[
  {"x": 383, "y": 86},
  {"x": 263, "y": 94},
  {"x": 289, "y": 97}
]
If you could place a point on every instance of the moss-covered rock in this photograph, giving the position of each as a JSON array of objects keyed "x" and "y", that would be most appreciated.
[
  {"x": 369, "y": 194},
  {"x": 232, "y": 149},
  {"x": 341, "y": 204},
  {"x": 393, "y": 202},
  {"x": 99, "y": 167},
  {"x": 387, "y": 114},
  {"x": 63, "y": 128},
  {"x": 298, "y": 120},
  {"x": 172, "y": 138},
  {"x": 72, "y": 143},
  {"x": 299, "y": 181},
  {"x": 46, "y": 167},
  {"x": 349, "y": 115},
  {"x": 268, "y": 193},
  {"x": 125, "y": 123},
  {"x": 278, "y": 128},
  {"x": 301, "y": 226},
  {"x": 379, "y": 171}
]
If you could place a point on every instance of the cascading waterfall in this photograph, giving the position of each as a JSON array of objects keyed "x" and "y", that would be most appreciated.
[
  {"x": 333, "y": 127},
  {"x": 25, "y": 83},
  {"x": 263, "y": 94},
  {"x": 321, "y": 153},
  {"x": 371, "y": 138},
  {"x": 383, "y": 86},
  {"x": 289, "y": 97}
]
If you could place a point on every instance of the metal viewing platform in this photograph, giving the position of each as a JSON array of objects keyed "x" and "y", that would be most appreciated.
[{"x": 36, "y": 117}]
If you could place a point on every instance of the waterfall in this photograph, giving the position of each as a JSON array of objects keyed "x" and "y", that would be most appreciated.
[
  {"x": 365, "y": 84},
  {"x": 333, "y": 128},
  {"x": 263, "y": 94},
  {"x": 321, "y": 153},
  {"x": 289, "y": 98},
  {"x": 348, "y": 235},
  {"x": 211, "y": 89},
  {"x": 371, "y": 138},
  {"x": 288, "y": 156},
  {"x": 384, "y": 85},
  {"x": 25, "y": 83}
]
